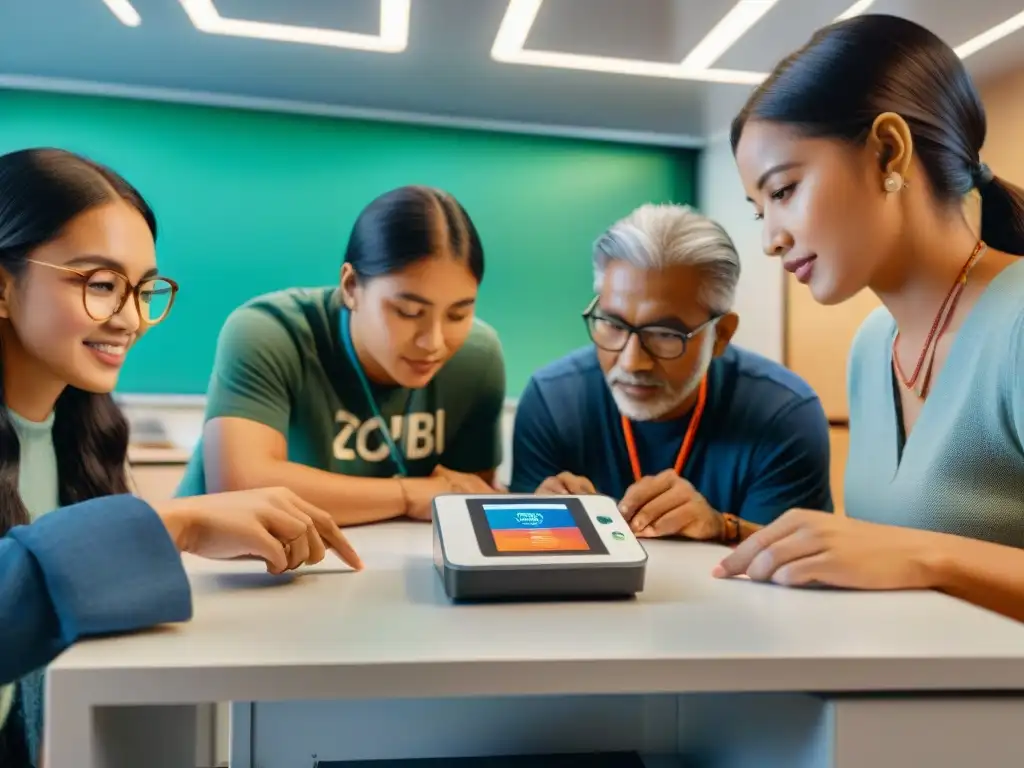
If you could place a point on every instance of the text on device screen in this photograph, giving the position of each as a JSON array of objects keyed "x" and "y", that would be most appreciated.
[
  {"x": 534, "y": 527},
  {"x": 518, "y": 527}
]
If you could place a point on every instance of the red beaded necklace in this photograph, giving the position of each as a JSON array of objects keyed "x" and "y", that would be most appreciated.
[{"x": 920, "y": 378}]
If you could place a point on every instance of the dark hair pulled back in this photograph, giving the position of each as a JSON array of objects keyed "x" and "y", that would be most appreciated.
[
  {"x": 854, "y": 70},
  {"x": 409, "y": 224}
]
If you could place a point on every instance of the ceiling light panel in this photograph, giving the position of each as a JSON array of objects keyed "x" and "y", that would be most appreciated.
[
  {"x": 990, "y": 36},
  {"x": 393, "y": 36},
  {"x": 520, "y": 15},
  {"x": 510, "y": 44},
  {"x": 744, "y": 15},
  {"x": 124, "y": 11},
  {"x": 782, "y": 31}
]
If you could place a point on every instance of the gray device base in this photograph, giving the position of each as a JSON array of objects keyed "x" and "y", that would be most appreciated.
[{"x": 539, "y": 582}]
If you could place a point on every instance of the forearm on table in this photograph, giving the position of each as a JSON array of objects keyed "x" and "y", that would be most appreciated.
[
  {"x": 979, "y": 572},
  {"x": 347, "y": 499}
]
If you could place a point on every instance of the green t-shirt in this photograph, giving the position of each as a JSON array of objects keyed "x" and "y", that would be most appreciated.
[{"x": 280, "y": 362}]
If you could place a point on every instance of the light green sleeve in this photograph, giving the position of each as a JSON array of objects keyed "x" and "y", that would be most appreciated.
[
  {"x": 477, "y": 446},
  {"x": 256, "y": 371}
]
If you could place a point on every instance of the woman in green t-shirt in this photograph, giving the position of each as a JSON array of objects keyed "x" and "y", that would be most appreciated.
[{"x": 372, "y": 396}]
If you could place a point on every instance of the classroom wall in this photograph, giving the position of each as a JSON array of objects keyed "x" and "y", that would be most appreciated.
[
  {"x": 759, "y": 295},
  {"x": 1004, "y": 108},
  {"x": 250, "y": 202}
]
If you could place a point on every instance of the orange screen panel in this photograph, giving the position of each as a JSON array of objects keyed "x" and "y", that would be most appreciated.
[{"x": 539, "y": 539}]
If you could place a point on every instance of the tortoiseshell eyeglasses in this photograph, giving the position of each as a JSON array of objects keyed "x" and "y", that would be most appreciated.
[{"x": 105, "y": 291}]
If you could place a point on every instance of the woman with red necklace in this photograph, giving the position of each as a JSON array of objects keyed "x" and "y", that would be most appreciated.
[{"x": 860, "y": 153}]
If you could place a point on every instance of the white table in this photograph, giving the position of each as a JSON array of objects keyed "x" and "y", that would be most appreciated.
[{"x": 379, "y": 664}]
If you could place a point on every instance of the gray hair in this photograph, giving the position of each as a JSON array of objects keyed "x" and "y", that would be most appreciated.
[{"x": 659, "y": 236}]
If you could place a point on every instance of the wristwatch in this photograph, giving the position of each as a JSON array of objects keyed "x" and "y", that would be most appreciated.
[{"x": 730, "y": 528}]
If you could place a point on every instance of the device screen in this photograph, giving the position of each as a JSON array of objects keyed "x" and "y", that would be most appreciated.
[{"x": 533, "y": 527}]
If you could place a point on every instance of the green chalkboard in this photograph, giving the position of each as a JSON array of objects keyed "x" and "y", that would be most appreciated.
[{"x": 250, "y": 202}]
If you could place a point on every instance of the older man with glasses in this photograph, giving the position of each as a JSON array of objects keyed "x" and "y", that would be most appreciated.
[{"x": 694, "y": 436}]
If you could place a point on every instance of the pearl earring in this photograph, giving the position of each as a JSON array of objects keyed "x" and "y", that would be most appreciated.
[{"x": 893, "y": 182}]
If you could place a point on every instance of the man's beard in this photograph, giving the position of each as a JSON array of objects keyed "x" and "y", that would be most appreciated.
[{"x": 669, "y": 397}]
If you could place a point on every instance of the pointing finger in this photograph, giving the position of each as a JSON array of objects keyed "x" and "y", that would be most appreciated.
[
  {"x": 341, "y": 546},
  {"x": 331, "y": 534}
]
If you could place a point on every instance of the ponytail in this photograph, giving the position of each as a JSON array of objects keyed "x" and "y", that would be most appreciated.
[{"x": 1002, "y": 215}]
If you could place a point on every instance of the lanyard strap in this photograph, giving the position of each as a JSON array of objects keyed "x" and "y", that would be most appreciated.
[
  {"x": 346, "y": 338},
  {"x": 684, "y": 449}
]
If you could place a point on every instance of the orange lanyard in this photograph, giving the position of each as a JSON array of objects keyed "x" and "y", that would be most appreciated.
[{"x": 687, "y": 446}]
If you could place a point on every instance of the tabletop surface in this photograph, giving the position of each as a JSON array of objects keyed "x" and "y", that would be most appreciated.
[{"x": 326, "y": 630}]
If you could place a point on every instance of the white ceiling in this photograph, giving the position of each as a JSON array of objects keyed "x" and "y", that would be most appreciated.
[{"x": 446, "y": 70}]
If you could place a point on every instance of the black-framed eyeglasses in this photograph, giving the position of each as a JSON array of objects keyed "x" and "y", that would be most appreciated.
[
  {"x": 612, "y": 334},
  {"x": 105, "y": 291}
]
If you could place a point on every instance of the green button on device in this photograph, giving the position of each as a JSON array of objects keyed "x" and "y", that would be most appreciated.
[
  {"x": 604, "y": 519},
  {"x": 618, "y": 535}
]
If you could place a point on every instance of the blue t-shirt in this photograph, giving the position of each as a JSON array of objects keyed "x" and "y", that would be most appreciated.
[{"x": 762, "y": 446}]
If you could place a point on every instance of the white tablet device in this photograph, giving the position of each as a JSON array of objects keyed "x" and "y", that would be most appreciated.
[{"x": 526, "y": 546}]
